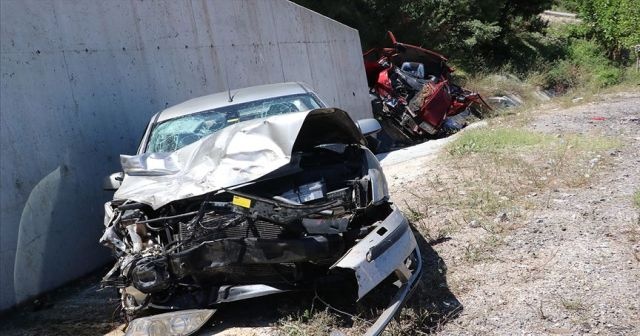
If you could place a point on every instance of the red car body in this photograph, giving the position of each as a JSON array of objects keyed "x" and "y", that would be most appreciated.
[{"x": 438, "y": 98}]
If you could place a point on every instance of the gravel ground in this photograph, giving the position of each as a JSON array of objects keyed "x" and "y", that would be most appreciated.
[{"x": 569, "y": 268}]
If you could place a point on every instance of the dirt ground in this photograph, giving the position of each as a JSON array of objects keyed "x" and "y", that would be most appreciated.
[
  {"x": 562, "y": 259},
  {"x": 570, "y": 266}
]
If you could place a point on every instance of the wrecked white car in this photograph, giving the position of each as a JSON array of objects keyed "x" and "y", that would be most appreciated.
[{"x": 250, "y": 193}]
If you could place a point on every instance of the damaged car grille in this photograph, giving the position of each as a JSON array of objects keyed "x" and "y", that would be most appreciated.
[
  {"x": 230, "y": 225},
  {"x": 223, "y": 220}
]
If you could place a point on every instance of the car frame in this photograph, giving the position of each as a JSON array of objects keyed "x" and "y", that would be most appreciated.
[{"x": 332, "y": 222}]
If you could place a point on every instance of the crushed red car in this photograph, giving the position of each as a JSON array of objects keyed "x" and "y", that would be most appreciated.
[{"x": 412, "y": 93}]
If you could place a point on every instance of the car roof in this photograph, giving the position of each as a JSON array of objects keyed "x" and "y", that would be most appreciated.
[{"x": 221, "y": 99}]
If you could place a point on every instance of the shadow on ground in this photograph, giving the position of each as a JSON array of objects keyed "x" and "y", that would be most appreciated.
[
  {"x": 75, "y": 309},
  {"x": 80, "y": 309},
  {"x": 432, "y": 304},
  {"x": 430, "y": 307}
]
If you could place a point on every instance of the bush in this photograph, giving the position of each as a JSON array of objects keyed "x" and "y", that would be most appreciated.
[
  {"x": 492, "y": 36},
  {"x": 560, "y": 77},
  {"x": 585, "y": 65},
  {"x": 614, "y": 24},
  {"x": 597, "y": 70},
  {"x": 604, "y": 76}
]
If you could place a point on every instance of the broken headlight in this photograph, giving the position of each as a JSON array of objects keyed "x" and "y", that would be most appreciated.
[{"x": 180, "y": 323}]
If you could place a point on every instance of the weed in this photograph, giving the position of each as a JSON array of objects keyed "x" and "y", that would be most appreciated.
[
  {"x": 591, "y": 143},
  {"x": 501, "y": 84},
  {"x": 308, "y": 324},
  {"x": 503, "y": 166},
  {"x": 520, "y": 161},
  {"x": 412, "y": 214},
  {"x": 636, "y": 198},
  {"x": 572, "y": 304},
  {"x": 431, "y": 234},
  {"x": 473, "y": 253},
  {"x": 482, "y": 250},
  {"x": 496, "y": 140}
]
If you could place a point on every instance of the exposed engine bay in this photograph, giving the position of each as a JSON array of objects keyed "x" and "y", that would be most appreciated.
[
  {"x": 277, "y": 232},
  {"x": 324, "y": 217}
]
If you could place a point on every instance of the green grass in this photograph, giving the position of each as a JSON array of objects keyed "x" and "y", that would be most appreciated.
[
  {"x": 585, "y": 69},
  {"x": 501, "y": 140},
  {"x": 501, "y": 166},
  {"x": 636, "y": 199},
  {"x": 592, "y": 143},
  {"x": 496, "y": 140},
  {"x": 308, "y": 324}
]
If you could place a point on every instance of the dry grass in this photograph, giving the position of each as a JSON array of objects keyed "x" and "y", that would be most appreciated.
[
  {"x": 492, "y": 178},
  {"x": 319, "y": 323},
  {"x": 488, "y": 179},
  {"x": 500, "y": 85},
  {"x": 502, "y": 166},
  {"x": 572, "y": 304}
]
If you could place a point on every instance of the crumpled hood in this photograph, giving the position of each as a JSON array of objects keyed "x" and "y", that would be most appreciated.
[{"x": 235, "y": 155}]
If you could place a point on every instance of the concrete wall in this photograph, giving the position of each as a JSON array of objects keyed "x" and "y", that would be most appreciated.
[{"x": 80, "y": 80}]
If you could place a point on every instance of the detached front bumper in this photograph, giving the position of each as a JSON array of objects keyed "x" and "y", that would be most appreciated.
[{"x": 390, "y": 248}]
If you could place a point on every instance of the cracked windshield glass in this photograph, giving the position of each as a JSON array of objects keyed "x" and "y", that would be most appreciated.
[{"x": 176, "y": 133}]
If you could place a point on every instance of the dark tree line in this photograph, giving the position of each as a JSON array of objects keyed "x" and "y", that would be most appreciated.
[
  {"x": 488, "y": 34},
  {"x": 472, "y": 32}
]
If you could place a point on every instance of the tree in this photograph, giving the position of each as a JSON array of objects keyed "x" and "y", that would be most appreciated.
[
  {"x": 615, "y": 24},
  {"x": 486, "y": 32}
]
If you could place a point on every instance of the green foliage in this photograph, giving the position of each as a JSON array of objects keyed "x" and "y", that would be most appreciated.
[
  {"x": 597, "y": 69},
  {"x": 372, "y": 18},
  {"x": 571, "y": 6},
  {"x": 476, "y": 33},
  {"x": 560, "y": 77},
  {"x": 631, "y": 76},
  {"x": 615, "y": 24},
  {"x": 479, "y": 34},
  {"x": 485, "y": 36},
  {"x": 585, "y": 65}
]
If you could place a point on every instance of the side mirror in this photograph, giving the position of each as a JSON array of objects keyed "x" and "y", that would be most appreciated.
[
  {"x": 113, "y": 181},
  {"x": 368, "y": 126}
]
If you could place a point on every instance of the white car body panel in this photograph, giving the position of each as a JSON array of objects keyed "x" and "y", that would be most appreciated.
[
  {"x": 237, "y": 154},
  {"x": 370, "y": 269}
]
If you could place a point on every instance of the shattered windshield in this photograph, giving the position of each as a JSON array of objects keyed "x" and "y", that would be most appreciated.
[{"x": 173, "y": 134}]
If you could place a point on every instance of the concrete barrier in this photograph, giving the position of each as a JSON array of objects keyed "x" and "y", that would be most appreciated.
[{"x": 80, "y": 79}]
